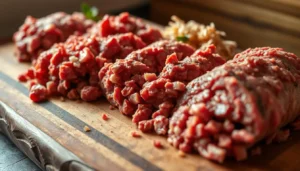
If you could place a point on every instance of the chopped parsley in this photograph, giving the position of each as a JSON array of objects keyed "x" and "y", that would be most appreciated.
[
  {"x": 90, "y": 12},
  {"x": 182, "y": 38}
]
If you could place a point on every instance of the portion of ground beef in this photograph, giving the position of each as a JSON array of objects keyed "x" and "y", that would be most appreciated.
[
  {"x": 155, "y": 55},
  {"x": 122, "y": 81},
  {"x": 71, "y": 69},
  {"x": 38, "y": 35},
  {"x": 124, "y": 23},
  {"x": 161, "y": 93},
  {"x": 230, "y": 108}
]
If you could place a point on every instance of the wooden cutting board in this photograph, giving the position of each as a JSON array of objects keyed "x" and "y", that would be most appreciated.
[{"x": 52, "y": 135}]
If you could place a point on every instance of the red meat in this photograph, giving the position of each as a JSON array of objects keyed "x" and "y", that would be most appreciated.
[
  {"x": 38, "y": 35},
  {"x": 124, "y": 23},
  {"x": 227, "y": 110},
  {"x": 38, "y": 93},
  {"x": 155, "y": 55},
  {"x": 122, "y": 81},
  {"x": 162, "y": 93},
  {"x": 71, "y": 69}
]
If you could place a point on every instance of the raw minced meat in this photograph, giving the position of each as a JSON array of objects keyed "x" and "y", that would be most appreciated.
[
  {"x": 38, "y": 35},
  {"x": 161, "y": 93},
  {"x": 219, "y": 110},
  {"x": 157, "y": 144},
  {"x": 105, "y": 117},
  {"x": 124, "y": 23},
  {"x": 232, "y": 107},
  {"x": 155, "y": 55},
  {"x": 71, "y": 69},
  {"x": 135, "y": 134},
  {"x": 122, "y": 81}
]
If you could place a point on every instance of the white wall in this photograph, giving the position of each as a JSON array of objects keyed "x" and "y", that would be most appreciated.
[{"x": 13, "y": 12}]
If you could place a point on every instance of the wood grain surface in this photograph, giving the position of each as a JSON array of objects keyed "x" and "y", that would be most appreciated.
[{"x": 57, "y": 127}]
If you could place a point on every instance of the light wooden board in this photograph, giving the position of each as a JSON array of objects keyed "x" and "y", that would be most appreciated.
[{"x": 109, "y": 145}]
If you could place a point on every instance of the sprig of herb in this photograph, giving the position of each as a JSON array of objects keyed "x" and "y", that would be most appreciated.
[
  {"x": 90, "y": 12},
  {"x": 182, "y": 38}
]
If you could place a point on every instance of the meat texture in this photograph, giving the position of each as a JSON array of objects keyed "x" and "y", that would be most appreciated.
[
  {"x": 124, "y": 23},
  {"x": 71, "y": 69},
  {"x": 162, "y": 92},
  {"x": 122, "y": 81},
  {"x": 38, "y": 35},
  {"x": 229, "y": 109}
]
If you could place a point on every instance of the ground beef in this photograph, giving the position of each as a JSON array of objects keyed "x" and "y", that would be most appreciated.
[
  {"x": 105, "y": 117},
  {"x": 157, "y": 144},
  {"x": 125, "y": 23},
  {"x": 71, "y": 69},
  {"x": 161, "y": 93},
  {"x": 38, "y": 93},
  {"x": 38, "y": 35},
  {"x": 155, "y": 55},
  {"x": 227, "y": 110},
  {"x": 194, "y": 66},
  {"x": 135, "y": 134},
  {"x": 122, "y": 81}
]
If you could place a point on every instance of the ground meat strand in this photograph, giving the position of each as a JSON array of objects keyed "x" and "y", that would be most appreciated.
[
  {"x": 155, "y": 55},
  {"x": 124, "y": 23},
  {"x": 227, "y": 110},
  {"x": 71, "y": 69},
  {"x": 38, "y": 35},
  {"x": 157, "y": 144},
  {"x": 135, "y": 134},
  {"x": 122, "y": 81},
  {"x": 38, "y": 93},
  {"x": 162, "y": 92},
  {"x": 105, "y": 117}
]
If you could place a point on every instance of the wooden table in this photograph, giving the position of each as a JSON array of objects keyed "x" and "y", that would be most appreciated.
[{"x": 52, "y": 135}]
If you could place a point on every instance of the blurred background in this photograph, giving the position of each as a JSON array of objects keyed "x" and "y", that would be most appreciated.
[{"x": 251, "y": 23}]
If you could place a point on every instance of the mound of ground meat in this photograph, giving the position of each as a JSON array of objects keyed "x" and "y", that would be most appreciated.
[
  {"x": 38, "y": 35},
  {"x": 155, "y": 55},
  {"x": 226, "y": 111},
  {"x": 122, "y": 81},
  {"x": 71, "y": 69},
  {"x": 124, "y": 23},
  {"x": 161, "y": 93}
]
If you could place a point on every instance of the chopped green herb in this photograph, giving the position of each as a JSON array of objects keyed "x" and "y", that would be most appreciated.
[
  {"x": 182, "y": 38},
  {"x": 90, "y": 12}
]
